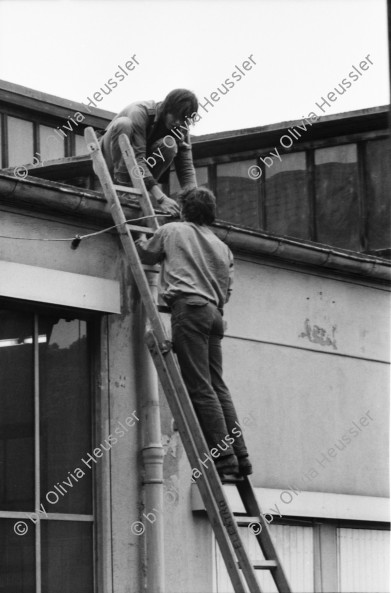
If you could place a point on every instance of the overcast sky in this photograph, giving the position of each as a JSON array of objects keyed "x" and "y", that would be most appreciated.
[{"x": 302, "y": 49}]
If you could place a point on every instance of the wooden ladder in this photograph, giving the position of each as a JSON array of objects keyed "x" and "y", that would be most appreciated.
[{"x": 221, "y": 517}]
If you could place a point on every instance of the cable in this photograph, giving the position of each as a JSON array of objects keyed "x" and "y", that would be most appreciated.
[{"x": 78, "y": 238}]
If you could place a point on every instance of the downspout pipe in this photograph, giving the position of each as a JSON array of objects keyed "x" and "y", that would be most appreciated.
[{"x": 152, "y": 453}]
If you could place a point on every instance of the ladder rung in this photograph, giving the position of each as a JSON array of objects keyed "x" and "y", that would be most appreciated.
[
  {"x": 129, "y": 190},
  {"x": 264, "y": 565},
  {"x": 244, "y": 521},
  {"x": 140, "y": 229}
]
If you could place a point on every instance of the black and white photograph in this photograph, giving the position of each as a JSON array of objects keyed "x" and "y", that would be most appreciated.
[{"x": 195, "y": 278}]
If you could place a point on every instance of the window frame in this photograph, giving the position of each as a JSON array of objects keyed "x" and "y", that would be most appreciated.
[
  {"x": 101, "y": 511},
  {"x": 360, "y": 139}
]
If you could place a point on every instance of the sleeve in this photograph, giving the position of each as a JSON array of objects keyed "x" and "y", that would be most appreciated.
[
  {"x": 151, "y": 251},
  {"x": 184, "y": 165},
  {"x": 138, "y": 140},
  {"x": 231, "y": 276}
]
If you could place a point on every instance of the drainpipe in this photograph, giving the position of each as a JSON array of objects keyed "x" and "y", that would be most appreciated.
[{"x": 152, "y": 453}]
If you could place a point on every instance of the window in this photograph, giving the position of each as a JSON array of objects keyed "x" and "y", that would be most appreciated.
[
  {"x": 336, "y": 196},
  {"x": 20, "y": 141},
  {"x": 202, "y": 176},
  {"x": 286, "y": 196},
  {"x": 45, "y": 432},
  {"x": 237, "y": 194},
  {"x": 51, "y": 146},
  {"x": 80, "y": 145},
  {"x": 378, "y": 159}
]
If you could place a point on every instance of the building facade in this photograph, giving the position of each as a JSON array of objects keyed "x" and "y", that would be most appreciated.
[{"x": 306, "y": 358}]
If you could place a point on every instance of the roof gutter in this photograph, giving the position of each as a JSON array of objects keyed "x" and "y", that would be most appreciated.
[
  {"x": 64, "y": 199},
  {"x": 285, "y": 248}
]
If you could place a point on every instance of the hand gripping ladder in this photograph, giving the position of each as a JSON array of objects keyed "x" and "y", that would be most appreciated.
[{"x": 221, "y": 518}]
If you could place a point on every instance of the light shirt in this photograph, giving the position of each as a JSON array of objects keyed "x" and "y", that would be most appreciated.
[{"x": 194, "y": 261}]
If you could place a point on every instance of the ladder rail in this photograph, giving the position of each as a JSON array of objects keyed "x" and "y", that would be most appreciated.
[
  {"x": 220, "y": 515},
  {"x": 251, "y": 505},
  {"x": 210, "y": 486}
]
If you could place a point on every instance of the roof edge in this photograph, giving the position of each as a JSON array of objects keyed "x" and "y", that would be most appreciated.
[{"x": 65, "y": 199}]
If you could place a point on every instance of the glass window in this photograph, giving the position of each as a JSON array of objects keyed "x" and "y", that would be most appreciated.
[
  {"x": 286, "y": 196},
  {"x": 336, "y": 196},
  {"x": 44, "y": 367},
  {"x": 17, "y": 558},
  {"x": 202, "y": 176},
  {"x": 66, "y": 557},
  {"x": 65, "y": 414},
  {"x": 20, "y": 141},
  {"x": 237, "y": 194},
  {"x": 378, "y": 159},
  {"x": 16, "y": 412},
  {"x": 80, "y": 145},
  {"x": 51, "y": 145}
]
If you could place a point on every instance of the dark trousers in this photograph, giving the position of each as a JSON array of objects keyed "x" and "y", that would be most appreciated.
[
  {"x": 197, "y": 331},
  {"x": 159, "y": 153}
]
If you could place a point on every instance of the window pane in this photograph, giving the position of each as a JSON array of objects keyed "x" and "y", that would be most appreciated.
[
  {"x": 80, "y": 145},
  {"x": 65, "y": 405},
  {"x": 337, "y": 207},
  {"x": 16, "y": 412},
  {"x": 202, "y": 176},
  {"x": 51, "y": 145},
  {"x": 237, "y": 194},
  {"x": 67, "y": 557},
  {"x": 20, "y": 142},
  {"x": 378, "y": 159},
  {"x": 287, "y": 207},
  {"x": 17, "y": 558}
]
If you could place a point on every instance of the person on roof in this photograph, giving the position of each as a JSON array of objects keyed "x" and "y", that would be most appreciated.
[{"x": 159, "y": 135}]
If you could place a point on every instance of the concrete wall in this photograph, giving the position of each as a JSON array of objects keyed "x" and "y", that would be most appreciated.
[{"x": 306, "y": 357}]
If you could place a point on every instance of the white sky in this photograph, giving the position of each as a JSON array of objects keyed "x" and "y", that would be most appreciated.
[{"x": 302, "y": 49}]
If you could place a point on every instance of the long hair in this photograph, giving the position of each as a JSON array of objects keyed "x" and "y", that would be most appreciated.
[{"x": 181, "y": 103}]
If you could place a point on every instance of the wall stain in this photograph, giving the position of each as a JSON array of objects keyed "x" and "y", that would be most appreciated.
[{"x": 318, "y": 335}]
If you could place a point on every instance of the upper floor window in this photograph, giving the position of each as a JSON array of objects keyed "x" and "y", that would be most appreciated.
[
  {"x": 237, "y": 194},
  {"x": 20, "y": 141},
  {"x": 286, "y": 196},
  {"x": 336, "y": 196}
]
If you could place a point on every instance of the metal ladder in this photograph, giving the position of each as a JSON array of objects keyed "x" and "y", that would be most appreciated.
[{"x": 222, "y": 520}]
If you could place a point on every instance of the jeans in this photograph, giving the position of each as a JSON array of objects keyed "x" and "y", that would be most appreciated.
[
  {"x": 197, "y": 331},
  {"x": 113, "y": 156}
]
